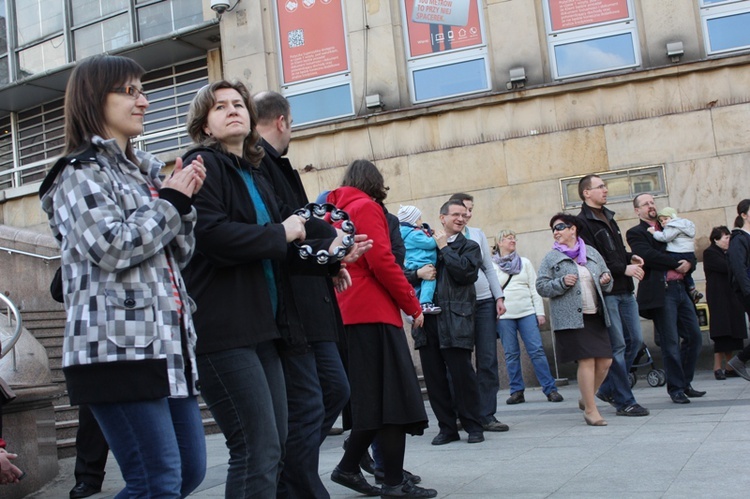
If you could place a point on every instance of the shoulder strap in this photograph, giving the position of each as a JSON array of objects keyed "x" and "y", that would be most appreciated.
[{"x": 510, "y": 276}]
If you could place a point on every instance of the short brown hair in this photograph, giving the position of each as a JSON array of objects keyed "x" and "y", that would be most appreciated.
[
  {"x": 197, "y": 116},
  {"x": 86, "y": 94},
  {"x": 585, "y": 183},
  {"x": 270, "y": 105},
  {"x": 366, "y": 177}
]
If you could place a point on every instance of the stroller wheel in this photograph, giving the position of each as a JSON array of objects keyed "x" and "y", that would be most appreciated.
[
  {"x": 662, "y": 377},
  {"x": 633, "y": 379},
  {"x": 653, "y": 378}
]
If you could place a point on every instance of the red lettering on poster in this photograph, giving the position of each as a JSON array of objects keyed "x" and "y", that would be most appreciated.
[{"x": 312, "y": 38}]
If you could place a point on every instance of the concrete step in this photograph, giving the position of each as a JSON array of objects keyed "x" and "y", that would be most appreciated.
[{"x": 41, "y": 315}]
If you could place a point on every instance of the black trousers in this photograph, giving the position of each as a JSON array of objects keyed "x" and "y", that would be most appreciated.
[
  {"x": 437, "y": 365},
  {"x": 91, "y": 449}
]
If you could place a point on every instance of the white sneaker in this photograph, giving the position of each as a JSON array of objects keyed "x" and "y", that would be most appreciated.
[{"x": 430, "y": 309}]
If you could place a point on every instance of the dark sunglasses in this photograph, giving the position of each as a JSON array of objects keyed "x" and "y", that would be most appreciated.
[{"x": 561, "y": 226}]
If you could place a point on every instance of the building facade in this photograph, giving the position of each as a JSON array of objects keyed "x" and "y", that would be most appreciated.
[{"x": 509, "y": 100}]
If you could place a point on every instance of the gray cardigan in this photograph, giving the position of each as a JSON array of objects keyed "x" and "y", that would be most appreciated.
[{"x": 566, "y": 304}]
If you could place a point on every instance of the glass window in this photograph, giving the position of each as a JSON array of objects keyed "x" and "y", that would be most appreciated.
[
  {"x": 36, "y": 19},
  {"x": 323, "y": 104},
  {"x": 3, "y": 28},
  {"x": 449, "y": 80},
  {"x": 725, "y": 26},
  {"x": 586, "y": 38},
  {"x": 168, "y": 16},
  {"x": 446, "y": 49},
  {"x": 170, "y": 91},
  {"x": 6, "y": 153},
  {"x": 622, "y": 185},
  {"x": 595, "y": 55},
  {"x": 102, "y": 37},
  {"x": 38, "y": 58},
  {"x": 89, "y": 10}
]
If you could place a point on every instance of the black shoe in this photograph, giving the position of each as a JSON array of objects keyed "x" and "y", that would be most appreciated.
[
  {"x": 495, "y": 425},
  {"x": 554, "y": 396},
  {"x": 355, "y": 481},
  {"x": 634, "y": 410},
  {"x": 719, "y": 374},
  {"x": 680, "y": 398},
  {"x": 731, "y": 373},
  {"x": 693, "y": 393},
  {"x": 380, "y": 477},
  {"x": 335, "y": 430},
  {"x": 516, "y": 398},
  {"x": 366, "y": 463},
  {"x": 606, "y": 398},
  {"x": 406, "y": 489},
  {"x": 475, "y": 438},
  {"x": 82, "y": 489},
  {"x": 445, "y": 438}
]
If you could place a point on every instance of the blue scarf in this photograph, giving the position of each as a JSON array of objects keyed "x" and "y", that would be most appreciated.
[
  {"x": 510, "y": 264},
  {"x": 262, "y": 218},
  {"x": 577, "y": 252}
]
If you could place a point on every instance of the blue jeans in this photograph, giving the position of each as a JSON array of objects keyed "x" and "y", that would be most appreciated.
[
  {"x": 159, "y": 445},
  {"x": 333, "y": 382},
  {"x": 626, "y": 338},
  {"x": 532, "y": 339},
  {"x": 485, "y": 337},
  {"x": 674, "y": 321},
  {"x": 244, "y": 389}
]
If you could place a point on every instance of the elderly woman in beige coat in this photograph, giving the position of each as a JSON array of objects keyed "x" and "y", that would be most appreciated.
[{"x": 574, "y": 276}]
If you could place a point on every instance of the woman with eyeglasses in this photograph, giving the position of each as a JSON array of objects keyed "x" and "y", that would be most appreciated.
[
  {"x": 523, "y": 316},
  {"x": 125, "y": 234},
  {"x": 574, "y": 276}
]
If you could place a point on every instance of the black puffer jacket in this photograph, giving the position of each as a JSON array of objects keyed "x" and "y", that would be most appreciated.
[{"x": 608, "y": 242}]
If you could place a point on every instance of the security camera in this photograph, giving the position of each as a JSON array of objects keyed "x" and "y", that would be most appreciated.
[{"x": 219, "y": 6}]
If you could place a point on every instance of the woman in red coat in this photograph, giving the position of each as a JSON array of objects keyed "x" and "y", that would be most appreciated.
[{"x": 385, "y": 395}]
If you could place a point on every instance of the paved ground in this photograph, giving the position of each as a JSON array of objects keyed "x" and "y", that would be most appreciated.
[{"x": 695, "y": 450}]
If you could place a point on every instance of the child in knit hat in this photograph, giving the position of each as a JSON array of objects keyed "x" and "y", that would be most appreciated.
[
  {"x": 679, "y": 234},
  {"x": 421, "y": 250}
]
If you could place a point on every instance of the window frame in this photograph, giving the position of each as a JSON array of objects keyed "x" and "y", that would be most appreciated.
[
  {"x": 594, "y": 31},
  {"x": 711, "y": 11},
  {"x": 663, "y": 191},
  {"x": 447, "y": 58}
]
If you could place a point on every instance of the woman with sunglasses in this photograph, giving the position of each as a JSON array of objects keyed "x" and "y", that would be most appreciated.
[
  {"x": 125, "y": 234},
  {"x": 574, "y": 276}
]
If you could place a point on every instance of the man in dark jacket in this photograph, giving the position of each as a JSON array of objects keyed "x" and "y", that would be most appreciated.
[
  {"x": 599, "y": 230},
  {"x": 662, "y": 297},
  {"x": 446, "y": 341},
  {"x": 317, "y": 387}
]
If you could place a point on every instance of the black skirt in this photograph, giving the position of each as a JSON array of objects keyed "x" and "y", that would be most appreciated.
[
  {"x": 727, "y": 344},
  {"x": 384, "y": 386},
  {"x": 590, "y": 341}
]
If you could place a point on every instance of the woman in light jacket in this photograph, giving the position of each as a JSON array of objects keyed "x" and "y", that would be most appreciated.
[
  {"x": 125, "y": 235},
  {"x": 524, "y": 314},
  {"x": 574, "y": 276}
]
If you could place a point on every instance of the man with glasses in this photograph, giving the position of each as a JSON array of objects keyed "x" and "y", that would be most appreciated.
[
  {"x": 599, "y": 230},
  {"x": 446, "y": 341},
  {"x": 662, "y": 297}
]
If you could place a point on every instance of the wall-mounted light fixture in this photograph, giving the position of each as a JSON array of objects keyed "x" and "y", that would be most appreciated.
[
  {"x": 517, "y": 78},
  {"x": 675, "y": 51},
  {"x": 373, "y": 101}
]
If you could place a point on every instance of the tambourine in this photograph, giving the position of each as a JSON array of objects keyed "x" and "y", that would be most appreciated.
[{"x": 322, "y": 257}]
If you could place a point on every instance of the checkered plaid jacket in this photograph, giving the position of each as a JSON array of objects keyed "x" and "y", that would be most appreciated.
[{"x": 123, "y": 340}]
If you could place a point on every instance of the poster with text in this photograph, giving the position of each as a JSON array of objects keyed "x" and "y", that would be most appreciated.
[
  {"x": 312, "y": 39},
  {"x": 566, "y": 14},
  {"x": 441, "y": 25}
]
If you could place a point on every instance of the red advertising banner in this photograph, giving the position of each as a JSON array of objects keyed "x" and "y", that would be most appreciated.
[
  {"x": 566, "y": 14},
  {"x": 442, "y": 25},
  {"x": 312, "y": 38}
]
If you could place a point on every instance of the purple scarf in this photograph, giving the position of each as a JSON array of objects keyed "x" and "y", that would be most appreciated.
[
  {"x": 577, "y": 252},
  {"x": 510, "y": 264}
]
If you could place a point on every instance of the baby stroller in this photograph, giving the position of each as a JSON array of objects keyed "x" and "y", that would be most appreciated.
[{"x": 655, "y": 377}]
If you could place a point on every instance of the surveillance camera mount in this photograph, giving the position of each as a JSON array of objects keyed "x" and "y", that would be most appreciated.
[{"x": 222, "y": 6}]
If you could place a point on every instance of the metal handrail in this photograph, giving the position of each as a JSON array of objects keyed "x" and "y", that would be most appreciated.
[
  {"x": 11, "y": 307},
  {"x": 26, "y": 253}
]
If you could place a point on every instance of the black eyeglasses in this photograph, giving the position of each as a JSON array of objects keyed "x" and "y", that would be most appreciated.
[
  {"x": 561, "y": 226},
  {"x": 130, "y": 90}
]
